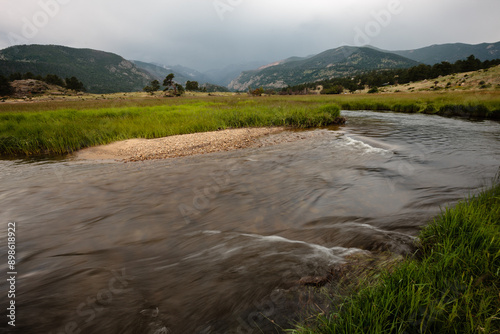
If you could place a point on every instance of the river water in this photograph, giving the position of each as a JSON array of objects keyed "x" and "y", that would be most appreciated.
[{"x": 214, "y": 243}]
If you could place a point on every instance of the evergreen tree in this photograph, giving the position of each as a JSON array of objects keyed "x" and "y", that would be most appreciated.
[
  {"x": 28, "y": 75},
  {"x": 178, "y": 89},
  {"x": 54, "y": 80},
  {"x": 192, "y": 86},
  {"x": 169, "y": 81},
  {"x": 74, "y": 84},
  {"x": 5, "y": 87},
  {"x": 152, "y": 87},
  {"x": 155, "y": 85},
  {"x": 15, "y": 76}
]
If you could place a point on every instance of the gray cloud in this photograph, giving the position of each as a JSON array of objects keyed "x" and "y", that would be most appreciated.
[{"x": 206, "y": 34}]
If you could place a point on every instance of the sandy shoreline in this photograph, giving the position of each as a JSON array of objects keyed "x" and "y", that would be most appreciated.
[
  {"x": 180, "y": 145},
  {"x": 191, "y": 144}
]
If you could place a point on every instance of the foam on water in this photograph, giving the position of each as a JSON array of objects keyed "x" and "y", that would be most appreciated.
[
  {"x": 360, "y": 146},
  {"x": 319, "y": 250}
]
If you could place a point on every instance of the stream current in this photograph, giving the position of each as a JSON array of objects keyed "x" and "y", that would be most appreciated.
[{"x": 212, "y": 243}]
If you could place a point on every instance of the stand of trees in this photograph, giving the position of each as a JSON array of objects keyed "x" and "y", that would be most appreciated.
[
  {"x": 169, "y": 85},
  {"x": 192, "y": 86},
  {"x": 74, "y": 84},
  {"x": 154, "y": 86},
  {"x": 381, "y": 78}
]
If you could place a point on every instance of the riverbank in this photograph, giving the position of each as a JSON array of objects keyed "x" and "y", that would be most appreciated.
[
  {"x": 60, "y": 127},
  {"x": 176, "y": 146},
  {"x": 192, "y": 144},
  {"x": 452, "y": 286},
  {"x": 466, "y": 104},
  {"x": 68, "y": 130}
]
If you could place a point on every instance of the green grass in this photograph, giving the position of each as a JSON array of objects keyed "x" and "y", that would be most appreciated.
[
  {"x": 66, "y": 130},
  {"x": 453, "y": 287},
  {"x": 60, "y": 127},
  {"x": 461, "y": 103}
]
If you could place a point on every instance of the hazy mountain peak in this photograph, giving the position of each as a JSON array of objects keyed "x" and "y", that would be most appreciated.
[
  {"x": 338, "y": 62},
  {"x": 451, "y": 52}
]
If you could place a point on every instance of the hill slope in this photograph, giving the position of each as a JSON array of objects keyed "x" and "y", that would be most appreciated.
[
  {"x": 452, "y": 52},
  {"x": 100, "y": 72},
  {"x": 482, "y": 80},
  {"x": 182, "y": 74},
  {"x": 224, "y": 76},
  {"x": 339, "y": 62}
]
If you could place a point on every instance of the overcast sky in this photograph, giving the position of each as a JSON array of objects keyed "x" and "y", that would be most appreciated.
[{"x": 206, "y": 34}]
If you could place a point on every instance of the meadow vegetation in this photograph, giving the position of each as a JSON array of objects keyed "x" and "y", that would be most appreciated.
[
  {"x": 41, "y": 130},
  {"x": 60, "y": 127},
  {"x": 452, "y": 285},
  {"x": 471, "y": 104}
]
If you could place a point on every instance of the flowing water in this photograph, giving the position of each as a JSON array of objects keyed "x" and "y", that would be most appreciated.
[{"x": 213, "y": 244}]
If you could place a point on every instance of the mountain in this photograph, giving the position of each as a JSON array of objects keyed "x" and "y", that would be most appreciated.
[
  {"x": 157, "y": 71},
  {"x": 452, "y": 52},
  {"x": 339, "y": 62},
  {"x": 101, "y": 72},
  {"x": 181, "y": 74},
  {"x": 214, "y": 77},
  {"x": 190, "y": 74},
  {"x": 224, "y": 76}
]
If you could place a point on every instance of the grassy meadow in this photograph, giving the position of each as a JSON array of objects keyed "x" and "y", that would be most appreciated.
[
  {"x": 475, "y": 104},
  {"x": 452, "y": 286},
  {"x": 62, "y": 126},
  {"x": 42, "y": 129}
]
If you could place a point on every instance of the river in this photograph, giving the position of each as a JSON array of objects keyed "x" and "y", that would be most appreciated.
[{"x": 215, "y": 243}]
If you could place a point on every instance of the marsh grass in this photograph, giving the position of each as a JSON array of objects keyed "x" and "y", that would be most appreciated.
[
  {"x": 67, "y": 130},
  {"x": 462, "y": 104},
  {"x": 452, "y": 288},
  {"x": 59, "y": 127}
]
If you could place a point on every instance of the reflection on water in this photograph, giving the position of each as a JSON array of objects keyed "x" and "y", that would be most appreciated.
[{"x": 215, "y": 244}]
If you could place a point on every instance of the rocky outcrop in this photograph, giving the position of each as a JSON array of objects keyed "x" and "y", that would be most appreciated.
[{"x": 32, "y": 87}]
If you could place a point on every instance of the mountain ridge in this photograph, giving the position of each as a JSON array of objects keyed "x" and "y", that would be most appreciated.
[
  {"x": 100, "y": 71},
  {"x": 105, "y": 72},
  {"x": 451, "y": 52},
  {"x": 181, "y": 74},
  {"x": 342, "y": 61}
]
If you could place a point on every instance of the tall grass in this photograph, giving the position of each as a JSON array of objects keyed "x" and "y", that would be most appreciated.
[
  {"x": 462, "y": 104},
  {"x": 59, "y": 127},
  {"x": 63, "y": 131},
  {"x": 429, "y": 102},
  {"x": 453, "y": 288}
]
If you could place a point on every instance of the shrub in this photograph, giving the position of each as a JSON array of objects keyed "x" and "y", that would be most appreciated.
[
  {"x": 338, "y": 89},
  {"x": 257, "y": 92}
]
